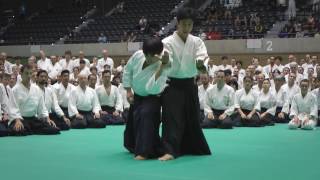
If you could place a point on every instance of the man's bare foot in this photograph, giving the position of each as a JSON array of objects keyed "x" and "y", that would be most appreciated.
[
  {"x": 166, "y": 157},
  {"x": 139, "y": 158}
]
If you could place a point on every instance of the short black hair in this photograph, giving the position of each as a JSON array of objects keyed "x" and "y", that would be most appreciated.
[
  {"x": 66, "y": 71},
  {"x": 105, "y": 72},
  {"x": 91, "y": 75},
  {"x": 239, "y": 62},
  {"x": 224, "y": 57},
  {"x": 186, "y": 13},
  {"x": 234, "y": 83},
  {"x": 248, "y": 77},
  {"x": 24, "y": 67},
  {"x": 221, "y": 71},
  {"x": 304, "y": 80},
  {"x": 152, "y": 46},
  {"x": 227, "y": 72},
  {"x": 76, "y": 67},
  {"x": 82, "y": 61},
  {"x": 93, "y": 67},
  {"x": 278, "y": 57},
  {"x": 41, "y": 71}
]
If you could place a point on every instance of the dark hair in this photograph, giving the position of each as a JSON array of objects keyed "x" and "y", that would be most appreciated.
[
  {"x": 239, "y": 62},
  {"x": 41, "y": 71},
  {"x": 227, "y": 72},
  {"x": 90, "y": 75},
  {"x": 82, "y": 61},
  {"x": 248, "y": 77},
  {"x": 24, "y": 67},
  {"x": 224, "y": 57},
  {"x": 234, "y": 83},
  {"x": 152, "y": 46},
  {"x": 186, "y": 13},
  {"x": 93, "y": 67},
  {"x": 66, "y": 71},
  {"x": 278, "y": 57},
  {"x": 76, "y": 68},
  {"x": 68, "y": 52},
  {"x": 304, "y": 80},
  {"x": 276, "y": 71},
  {"x": 105, "y": 72}
]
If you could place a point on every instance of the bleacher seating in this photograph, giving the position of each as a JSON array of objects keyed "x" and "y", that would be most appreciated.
[{"x": 157, "y": 13}]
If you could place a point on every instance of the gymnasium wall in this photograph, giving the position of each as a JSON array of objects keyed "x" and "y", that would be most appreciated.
[{"x": 242, "y": 49}]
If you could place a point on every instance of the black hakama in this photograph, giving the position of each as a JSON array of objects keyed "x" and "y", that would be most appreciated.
[
  {"x": 281, "y": 120},
  {"x": 37, "y": 126},
  {"x": 88, "y": 121},
  {"x": 181, "y": 131},
  {"x": 3, "y": 129},
  {"x": 226, "y": 123},
  {"x": 59, "y": 121},
  {"x": 109, "y": 118},
  {"x": 254, "y": 121},
  {"x": 141, "y": 135},
  {"x": 268, "y": 119}
]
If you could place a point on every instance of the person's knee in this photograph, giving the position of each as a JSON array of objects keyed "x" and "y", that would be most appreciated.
[
  {"x": 308, "y": 126},
  {"x": 292, "y": 125}
]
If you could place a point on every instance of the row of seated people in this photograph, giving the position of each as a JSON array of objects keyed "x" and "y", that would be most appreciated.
[
  {"x": 104, "y": 100},
  {"x": 258, "y": 96}
]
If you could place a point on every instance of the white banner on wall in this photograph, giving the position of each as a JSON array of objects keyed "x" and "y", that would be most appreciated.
[
  {"x": 35, "y": 49},
  {"x": 254, "y": 43},
  {"x": 134, "y": 46}
]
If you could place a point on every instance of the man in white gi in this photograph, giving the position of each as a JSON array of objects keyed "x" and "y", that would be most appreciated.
[
  {"x": 83, "y": 107},
  {"x": 218, "y": 103},
  {"x": 304, "y": 109}
]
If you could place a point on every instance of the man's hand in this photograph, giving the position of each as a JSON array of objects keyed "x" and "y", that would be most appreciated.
[
  {"x": 165, "y": 58},
  {"x": 281, "y": 115},
  {"x": 97, "y": 115},
  {"x": 104, "y": 112},
  {"x": 243, "y": 116},
  {"x": 68, "y": 122},
  {"x": 51, "y": 123},
  {"x": 296, "y": 120},
  {"x": 222, "y": 116},
  {"x": 116, "y": 113},
  {"x": 79, "y": 116},
  {"x": 130, "y": 97},
  {"x": 210, "y": 116},
  {"x": 18, "y": 126}
]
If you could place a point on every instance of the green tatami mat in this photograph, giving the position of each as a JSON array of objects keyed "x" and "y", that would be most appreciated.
[{"x": 242, "y": 153}]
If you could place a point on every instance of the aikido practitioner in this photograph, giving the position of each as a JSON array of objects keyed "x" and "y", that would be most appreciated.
[
  {"x": 219, "y": 101},
  {"x": 83, "y": 107},
  {"x": 280, "y": 116},
  {"x": 50, "y": 99},
  {"x": 304, "y": 109},
  {"x": 316, "y": 92},
  {"x": 110, "y": 101},
  {"x": 145, "y": 74},
  {"x": 205, "y": 85},
  {"x": 181, "y": 130},
  {"x": 63, "y": 91},
  {"x": 30, "y": 101},
  {"x": 247, "y": 105},
  {"x": 268, "y": 102}
]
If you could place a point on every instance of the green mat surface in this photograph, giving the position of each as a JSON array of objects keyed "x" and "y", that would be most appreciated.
[{"x": 243, "y": 153}]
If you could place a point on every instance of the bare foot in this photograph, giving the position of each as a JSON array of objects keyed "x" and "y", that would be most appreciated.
[
  {"x": 166, "y": 157},
  {"x": 139, "y": 158}
]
